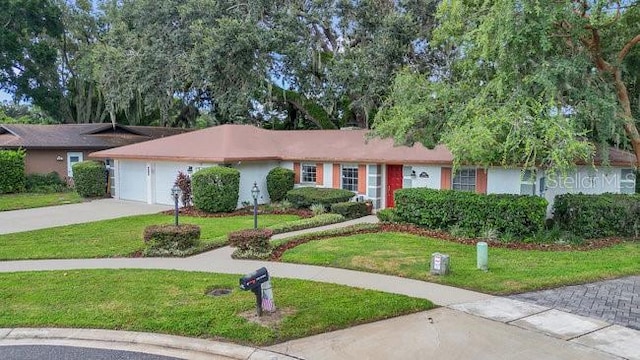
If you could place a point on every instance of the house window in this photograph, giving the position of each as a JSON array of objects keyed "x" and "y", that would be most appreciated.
[
  {"x": 308, "y": 173},
  {"x": 350, "y": 177},
  {"x": 627, "y": 181},
  {"x": 464, "y": 180},
  {"x": 73, "y": 158},
  {"x": 528, "y": 182}
]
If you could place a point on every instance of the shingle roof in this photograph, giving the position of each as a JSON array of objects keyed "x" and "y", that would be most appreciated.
[
  {"x": 78, "y": 136},
  {"x": 232, "y": 143}
]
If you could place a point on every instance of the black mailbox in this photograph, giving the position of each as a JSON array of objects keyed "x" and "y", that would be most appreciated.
[{"x": 252, "y": 282}]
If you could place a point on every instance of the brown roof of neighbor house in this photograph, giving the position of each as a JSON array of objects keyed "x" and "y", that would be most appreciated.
[
  {"x": 78, "y": 136},
  {"x": 232, "y": 143}
]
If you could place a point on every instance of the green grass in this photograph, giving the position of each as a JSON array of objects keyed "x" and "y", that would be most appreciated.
[
  {"x": 174, "y": 302},
  {"x": 116, "y": 237},
  {"x": 510, "y": 271},
  {"x": 33, "y": 200}
]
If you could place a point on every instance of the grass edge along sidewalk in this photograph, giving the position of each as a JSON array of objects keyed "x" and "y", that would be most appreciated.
[{"x": 176, "y": 302}]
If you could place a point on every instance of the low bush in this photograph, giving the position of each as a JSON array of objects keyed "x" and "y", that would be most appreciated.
[
  {"x": 216, "y": 189},
  {"x": 254, "y": 239},
  {"x": 519, "y": 215},
  {"x": 170, "y": 239},
  {"x": 350, "y": 210},
  {"x": 598, "y": 216},
  {"x": 12, "y": 165},
  {"x": 279, "y": 181},
  {"x": 387, "y": 215},
  {"x": 304, "y": 197},
  {"x": 90, "y": 178},
  {"x": 318, "y": 220},
  {"x": 45, "y": 183},
  {"x": 318, "y": 209}
]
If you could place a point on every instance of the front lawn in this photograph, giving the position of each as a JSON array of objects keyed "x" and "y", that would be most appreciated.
[
  {"x": 35, "y": 200},
  {"x": 510, "y": 271},
  {"x": 174, "y": 302},
  {"x": 116, "y": 237}
]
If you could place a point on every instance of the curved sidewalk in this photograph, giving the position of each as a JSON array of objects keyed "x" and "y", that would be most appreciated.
[{"x": 512, "y": 328}]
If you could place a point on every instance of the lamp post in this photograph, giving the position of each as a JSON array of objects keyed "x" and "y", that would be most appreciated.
[
  {"x": 255, "y": 191},
  {"x": 176, "y": 192}
]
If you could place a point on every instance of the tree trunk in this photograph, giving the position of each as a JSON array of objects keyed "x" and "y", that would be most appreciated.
[{"x": 630, "y": 127}]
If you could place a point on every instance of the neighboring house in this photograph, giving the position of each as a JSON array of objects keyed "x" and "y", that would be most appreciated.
[
  {"x": 57, "y": 147},
  {"x": 372, "y": 169}
]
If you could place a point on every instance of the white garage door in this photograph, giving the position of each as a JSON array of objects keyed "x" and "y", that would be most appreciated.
[
  {"x": 166, "y": 174},
  {"x": 133, "y": 180}
]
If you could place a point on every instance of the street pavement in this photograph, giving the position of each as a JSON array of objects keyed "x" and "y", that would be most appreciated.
[{"x": 469, "y": 325}]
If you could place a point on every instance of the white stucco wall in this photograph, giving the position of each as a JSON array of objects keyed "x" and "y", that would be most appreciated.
[
  {"x": 250, "y": 172},
  {"x": 327, "y": 175},
  {"x": 165, "y": 177},
  {"x": 503, "y": 181},
  {"x": 432, "y": 182}
]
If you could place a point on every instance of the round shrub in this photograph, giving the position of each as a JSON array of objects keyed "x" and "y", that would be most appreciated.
[
  {"x": 90, "y": 178},
  {"x": 12, "y": 165},
  {"x": 279, "y": 181},
  {"x": 170, "y": 239},
  {"x": 256, "y": 240},
  {"x": 216, "y": 189}
]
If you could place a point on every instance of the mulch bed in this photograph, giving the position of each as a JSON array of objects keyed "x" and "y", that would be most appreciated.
[{"x": 276, "y": 254}]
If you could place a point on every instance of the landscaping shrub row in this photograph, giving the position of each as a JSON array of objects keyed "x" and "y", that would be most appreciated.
[
  {"x": 517, "y": 215},
  {"x": 304, "y": 197},
  {"x": 350, "y": 210},
  {"x": 45, "y": 183},
  {"x": 318, "y": 220},
  {"x": 597, "y": 216}
]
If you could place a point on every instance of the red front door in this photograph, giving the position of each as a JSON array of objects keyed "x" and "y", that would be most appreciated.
[{"x": 394, "y": 182}]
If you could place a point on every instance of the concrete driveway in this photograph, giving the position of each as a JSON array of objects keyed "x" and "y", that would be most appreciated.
[{"x": 51, "y": 216}]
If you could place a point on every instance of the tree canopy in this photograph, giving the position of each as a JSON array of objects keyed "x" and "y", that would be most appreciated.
[{"x": 533, "y": 83}]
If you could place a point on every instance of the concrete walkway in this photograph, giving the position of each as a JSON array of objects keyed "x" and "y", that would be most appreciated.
[{"x": 473, "y": 325}]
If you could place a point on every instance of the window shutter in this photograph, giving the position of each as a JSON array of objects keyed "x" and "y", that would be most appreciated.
[
  {"x": 296, "y": 171},
  {"x": 481, "y": 181},
  {"x": 319, "y": 174},
  {"x": 336, "y": 176},
  {"x": 445, "y": 178},
  {"x": 362, "y": 179}
]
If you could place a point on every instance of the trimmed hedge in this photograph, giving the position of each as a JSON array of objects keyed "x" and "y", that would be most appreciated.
[
  {"x": 45, "y": 183},
  {"x": 597, "y": 216},
  {"x": 216, "y": 189},
  {"x": 350, "y": 210},
  {"x": 517, "y": 215},
  {"x": 304, "y": 197},
  {"x": 279, "y": 181},
  {"x": 318, "y": 220},
  {"x": 90, "y": 178},
  {"x": 12, "y": 165},
  {"x": 254, "y": 239},
  {"x": 171, "y": 239}
]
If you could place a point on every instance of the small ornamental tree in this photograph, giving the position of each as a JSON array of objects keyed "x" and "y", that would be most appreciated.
[
  {"x": 90, "y": 178},
  {"x": 216, "y": 189},
  {"x": 12, "y": 165},
  {"x": 279, "y": 181},
  {"x": 183, "y": 181}
]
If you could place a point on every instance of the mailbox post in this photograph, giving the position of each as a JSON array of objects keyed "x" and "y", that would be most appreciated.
[{"x": 253, "y": 282}]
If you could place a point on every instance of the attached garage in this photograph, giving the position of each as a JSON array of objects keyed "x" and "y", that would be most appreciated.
[
  {"x": 165, "y": 176},
  {"x": 132, "y": 180}
]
